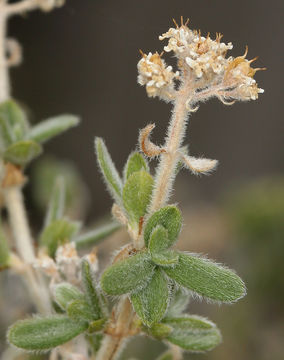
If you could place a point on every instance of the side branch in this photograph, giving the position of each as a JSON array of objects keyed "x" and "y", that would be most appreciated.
[{"x": 21, "y": 7}]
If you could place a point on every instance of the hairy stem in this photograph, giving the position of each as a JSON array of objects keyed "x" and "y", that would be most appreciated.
[
  {"x": 21, "y": 7},
  {"x": 24, "y": 244},
  {"x": 176, "y": 352},
  {"x": 14, "y": 203},
  {"x": 124, "y": 314},
  {"x": 13, "y": 194},
  {"x": 119, "y": 331},
  {"x": 169, "y": 159}
]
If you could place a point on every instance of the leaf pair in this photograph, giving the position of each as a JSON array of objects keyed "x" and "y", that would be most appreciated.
[
  {"x": 133, "y": 192},
  {"x": 84, "y": 312},
  {"x": 139, "y": 274},
  {"x": 161, "y": 232},
  {"x": 147, "y": 283},
  {"x": 19, "y": 143}
]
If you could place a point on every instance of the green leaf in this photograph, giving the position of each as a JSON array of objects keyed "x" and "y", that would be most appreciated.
[
  {"x": 193, "y": 333},
  {"x": 59, "y": 232},
  {"x": 52, "y": 127},
  {"x": 150, "y": 303},
  {"x": 93, "y": 237},
  {"x": 165, "y": 258},
  {"x": 4, "y": 249},
  {"x": 159, "y": 330},
  {"x": 158, "y": 239},
  {"x": 13, "y": 123},
  {"x": 137, "y": 195},
  {"x": 94, "y": 297},
  {"x": 179, "y": 301},
  {"x": 44, "y": 333},
  {"x": 128, "y": 275},
  {"x": 108, "y": 170},
  {"x": 157, "y": 245},
  {"x": 80, "y": 310},
  {"x": 65, "y": 293},
  {"x": 22, "y": 152},
  {"x": 206, "y": 278},
  {"x": 57, "y": 201},
  {"x": 135, "y": 162},
  {"x": 170, "y": 218}
]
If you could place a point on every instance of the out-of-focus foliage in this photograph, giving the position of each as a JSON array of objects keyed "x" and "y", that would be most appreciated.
[
  {"x": 257, "y": 214},
  {"x": 45, "y": 171}
]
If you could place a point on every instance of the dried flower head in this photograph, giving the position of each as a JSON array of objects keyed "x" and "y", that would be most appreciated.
[
  {"x": 157, "y": 76},
  {"x": 205, "y": 62}
]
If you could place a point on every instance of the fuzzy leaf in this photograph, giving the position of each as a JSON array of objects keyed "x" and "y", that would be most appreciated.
[
  {"x": 159, "y": 330},
  {"x": 108, "y": 170},
  {"x": 65, "y": 293},
  {"x": 193, "y": 333},
  {"x": 128, "y": 275},
  {"x": 57, "y": 202},
  {"x": 57, "y": 233},
  {"x": 4, "y": 249},
  {"x": 44, "y": 333},
  {"x": 52, "y": 127},
  {"x": 170, "y": 218},
  {"x": 137, "y": 195},
  {"x": 13, "y": 123},
  {"x": 93, "y": 237},
  {"x": 94, "y": 297},
  {"x": 80, "y": 310},
  {"x": 157, "y": 245},
  {"x": 179, "y": 302},
  {"x": 165, "y": 258},
  {"x": 135, "y": 162},
  {"x": 206, "y": 278},
  {"x": 22, "y": 152},
  {"x": 150, "y": 303}
]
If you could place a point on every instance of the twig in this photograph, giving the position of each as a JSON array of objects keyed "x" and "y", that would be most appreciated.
[{"x": 13, "y": 194}]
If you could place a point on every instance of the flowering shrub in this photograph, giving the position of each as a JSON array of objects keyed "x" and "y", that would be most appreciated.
[{"x": 149, "y": 279}]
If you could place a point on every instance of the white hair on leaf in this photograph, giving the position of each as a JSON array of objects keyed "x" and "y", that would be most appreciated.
[{"x": 199, "y": 165}]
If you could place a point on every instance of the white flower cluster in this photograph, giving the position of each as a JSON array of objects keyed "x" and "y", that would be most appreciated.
[
  {"x": 202, "y": 55},
  {"x": 206, "y": 59},
  {"x": 157, "y": 76},
  {"x": 203, "y": 64}
]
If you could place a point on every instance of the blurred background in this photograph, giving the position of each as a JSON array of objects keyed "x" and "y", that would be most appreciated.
[{"x": 82, "y": 59}]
